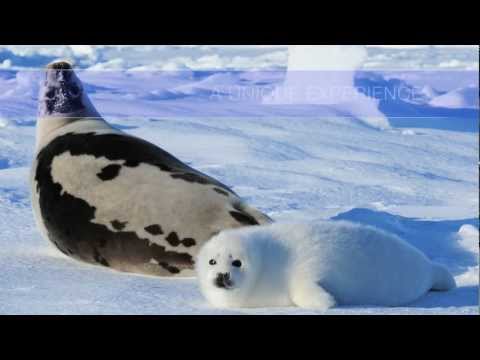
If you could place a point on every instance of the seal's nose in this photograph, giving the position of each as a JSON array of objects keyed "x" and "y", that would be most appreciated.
[
  {"x": 60, "y": 65},
  {"x": 61, "y": 71},
  {"x": 223, "y": 280}
]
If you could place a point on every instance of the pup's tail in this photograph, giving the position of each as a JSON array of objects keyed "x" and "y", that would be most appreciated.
[{"x": 442, "y": 279}]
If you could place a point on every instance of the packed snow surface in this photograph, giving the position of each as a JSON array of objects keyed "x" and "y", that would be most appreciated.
[{"x": 418, "y": 178}]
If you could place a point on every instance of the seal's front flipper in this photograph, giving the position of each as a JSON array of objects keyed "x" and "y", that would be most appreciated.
[
  {"x": 257, "y": 217},
  {"x": 310, "y": 295}
]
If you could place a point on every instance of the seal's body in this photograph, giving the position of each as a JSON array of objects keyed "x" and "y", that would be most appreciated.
[
  {"x": 315, "y": 265},
  {"x": 108, "y": 198}
]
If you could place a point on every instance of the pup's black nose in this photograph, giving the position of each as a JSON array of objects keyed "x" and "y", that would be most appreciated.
[{"x": 223, "y": 280}]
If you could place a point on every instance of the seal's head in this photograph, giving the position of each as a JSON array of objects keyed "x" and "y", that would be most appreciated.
[
  {"x": 227, "y": 269},
  {"x": 62, "y": 93},
  {"x": 62, "y": 101}
]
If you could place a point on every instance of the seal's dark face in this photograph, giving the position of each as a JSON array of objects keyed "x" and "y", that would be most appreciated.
[{"x": 62, "y": 91}]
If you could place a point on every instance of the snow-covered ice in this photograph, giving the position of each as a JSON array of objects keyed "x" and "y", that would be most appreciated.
[
  {"x": 462, "y": 98},
  {"x": 418, "y": 178}
]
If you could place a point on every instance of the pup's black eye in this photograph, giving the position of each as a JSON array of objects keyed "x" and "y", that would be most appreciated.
[
  {"x": 236, "y": 263},
  {"x": 212, "y": 262}
]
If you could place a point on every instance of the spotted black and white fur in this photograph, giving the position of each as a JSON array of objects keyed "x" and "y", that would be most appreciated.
[{"x": 108, "y": 198}]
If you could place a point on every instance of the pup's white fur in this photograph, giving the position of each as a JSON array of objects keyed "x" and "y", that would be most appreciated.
[{"x": 316, "y": 265}]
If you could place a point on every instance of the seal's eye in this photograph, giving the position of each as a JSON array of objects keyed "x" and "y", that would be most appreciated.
[
  {"x": 74, "y": 90},
  {"x": 236, "y": 263},
  {"x": 50, "y": 93},
  {"x": 212, "y": 262}
]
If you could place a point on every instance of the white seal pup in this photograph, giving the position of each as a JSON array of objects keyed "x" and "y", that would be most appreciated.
[
  {"x": 315, "y": 265},
  {"x": 108, "y": 198}
]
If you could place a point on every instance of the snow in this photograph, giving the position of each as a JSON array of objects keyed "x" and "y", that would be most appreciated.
[
  {"x": 417, "y": 178},
  {"x": 325, "y": 75},
  {"x": 5, "y": 64},
  {"x": 468, "y": 238},
  {"x": 430, "y": 92},
  {"x": 326, "y": 57},
  {"x": 207, "y": 57},
  {"x": 458, "y": 99},
  {"x": 3, "y": 122}
]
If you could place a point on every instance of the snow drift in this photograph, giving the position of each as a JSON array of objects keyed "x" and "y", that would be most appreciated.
[
  {"x": 324, "y": 75},
  {"x": 464, "y": 98}
]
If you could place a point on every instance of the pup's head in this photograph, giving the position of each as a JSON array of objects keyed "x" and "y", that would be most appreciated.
[
  {"x": 62, "y": 93},
  {"x": 227, "y": 269}
]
